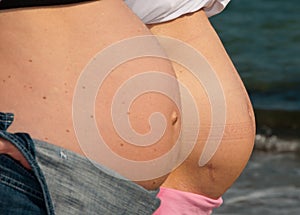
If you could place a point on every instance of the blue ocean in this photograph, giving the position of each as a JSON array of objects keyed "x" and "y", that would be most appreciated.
[{"x": 263, "y": 40}]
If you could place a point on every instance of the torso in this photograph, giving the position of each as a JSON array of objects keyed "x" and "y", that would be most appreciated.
[{"x": 42, "y": 53}]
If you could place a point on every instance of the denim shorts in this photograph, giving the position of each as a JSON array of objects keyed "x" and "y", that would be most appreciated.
[{"x": 62, "y": 182}]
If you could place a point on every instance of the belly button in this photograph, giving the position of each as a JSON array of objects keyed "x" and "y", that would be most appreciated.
[{"x": 174, "y": 118}]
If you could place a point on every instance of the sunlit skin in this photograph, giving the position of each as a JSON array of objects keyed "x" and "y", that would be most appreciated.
[
  {"x": 43, "y": 51},
  {"x": 221, "y": 171}
]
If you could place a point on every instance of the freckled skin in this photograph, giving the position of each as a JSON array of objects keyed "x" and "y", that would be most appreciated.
[
  {"x": 42, "y": 53},
  {"x": 46, "y": 50}
]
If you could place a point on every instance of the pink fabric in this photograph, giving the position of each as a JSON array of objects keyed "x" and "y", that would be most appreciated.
[{"x": 175, "y": 202}]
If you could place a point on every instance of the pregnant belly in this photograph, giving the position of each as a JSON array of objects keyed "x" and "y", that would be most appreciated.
[{"x": 41, "y": 62}]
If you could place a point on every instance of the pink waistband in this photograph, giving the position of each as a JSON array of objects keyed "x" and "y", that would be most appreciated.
[{"x": 175, "y": 202}]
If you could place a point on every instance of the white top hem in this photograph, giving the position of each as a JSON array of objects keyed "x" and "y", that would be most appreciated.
[{"x": 156, "y": 11}]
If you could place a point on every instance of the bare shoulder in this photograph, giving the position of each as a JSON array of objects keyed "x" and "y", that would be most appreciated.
[{"x": 231, "y": 156}]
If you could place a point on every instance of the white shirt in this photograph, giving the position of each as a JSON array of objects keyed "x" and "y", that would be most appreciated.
[{"x": 155, "y": 11}]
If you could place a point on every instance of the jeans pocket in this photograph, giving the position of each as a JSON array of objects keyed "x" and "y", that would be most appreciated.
[
  {"x": 19, "y": 189},
  {"x": 22, "y": 191},
  {"x": 14, "y": 175}
]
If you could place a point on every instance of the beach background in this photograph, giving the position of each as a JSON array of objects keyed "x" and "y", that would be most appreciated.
[{"x": 263, "y": 40}]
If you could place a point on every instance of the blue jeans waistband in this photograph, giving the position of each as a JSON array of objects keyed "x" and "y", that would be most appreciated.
[{"x": 72, "y": 184}]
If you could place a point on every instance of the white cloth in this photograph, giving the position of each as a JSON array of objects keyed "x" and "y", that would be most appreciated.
[{"x": 155, "y": 11}]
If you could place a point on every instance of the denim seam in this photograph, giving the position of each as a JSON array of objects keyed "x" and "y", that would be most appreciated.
[
  {"x": 9, "y": 170},
  {"x": 21, "y": 168},
  {"x": 11, "y": 182},
  {"x": 6, "y": 119}
]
